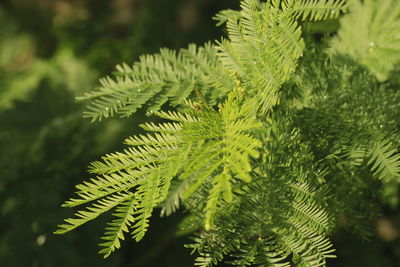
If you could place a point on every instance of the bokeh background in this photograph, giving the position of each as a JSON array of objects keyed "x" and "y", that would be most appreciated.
[{"x": 54, "y": 50}]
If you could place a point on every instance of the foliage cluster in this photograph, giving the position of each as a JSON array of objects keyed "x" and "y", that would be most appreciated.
[
  {"x": 49, "y": 53},
  {"x": 275, "y": 139}
]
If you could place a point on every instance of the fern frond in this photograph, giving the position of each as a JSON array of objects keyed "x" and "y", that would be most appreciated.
[
  {"x": 263, "y": 59},
  {"x": 103, "y": 186},
  {"x": 149, "y": 198},
  {"x": 221, "y": 189},
  {"x": 385, "y": 161},
  {"x": 308, "y": 223},
  {"x": 265, "y": 252},
  {"x": 318, "y": 9},
  {"x": 205, "y": 260},
  {"x": 356, "y": 155},
  {"x": 369, "y": 35},
  {"x": 225, "y": 15},
  {"x": 224, "y": 149},
  {"x": 169, "y": 76},
  {"x": 315, "y": 217},
  {"x": 174, "y": 198},
  {"x": 147, "y": 167},
  {"x": 176, "y": 116},
  {"x": 167, "y": 128},
  {"x": 93, "y": 212},
  {"x": 208, "y": 256},
  {"x": 116, "y": 229},
  {"x": 198, "y": 140},
  {"x": 158, "y": 140},
  {"x": 306, "y": 247}
]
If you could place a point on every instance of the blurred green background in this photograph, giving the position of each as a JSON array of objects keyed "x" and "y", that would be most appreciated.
[{"x": 54, "y": 50}]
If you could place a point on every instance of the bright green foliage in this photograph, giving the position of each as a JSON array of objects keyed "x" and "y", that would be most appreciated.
[
  {"x": 156, "y": 79},
  {"x": 265, "y": 43},
  {"x": 278, "y": 139},
  {"x": 289, "y": 222},
  {"x": 206, "y": 142},
  {"x": 369, "y": 34},
  {"x": 173, "y": 76},
  {"x": 317, "y": 9},
  {"x": 220, "y": 144}
]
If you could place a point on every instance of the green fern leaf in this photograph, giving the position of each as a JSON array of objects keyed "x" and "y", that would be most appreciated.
[
  {"x": 262, "y": 59},
  {"x": 222, "y": 147},
  {"x": 385, "y": 161},
  {"x": 93, "y": 212},
  {"x": 156, "y": 79},
  {"x": 174, "y": 198},
  {"x": 116, "y": 229},
  {"x": 369, "y": 34},
  {"x": 317, "y": 9}
]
